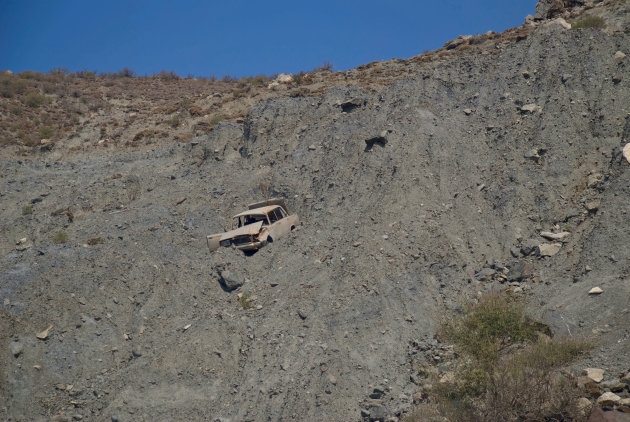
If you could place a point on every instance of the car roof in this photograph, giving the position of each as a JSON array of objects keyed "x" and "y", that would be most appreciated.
[{"x": 257, "y": 211}]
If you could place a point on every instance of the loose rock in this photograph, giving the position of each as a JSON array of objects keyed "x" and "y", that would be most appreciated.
[
  {"x": 592, "y": 206},
  {"x": 529, "y": 246},
  {"x": 231, "y": 280},
  {"x": 554, "y": 236},
  {"x": 43, "y": 335},
  {"x": 595, "y": 374},
  {"x": 531, "y": 109},
  {"x": 595, "y": 291},
  {"x": 16, "y": 348},
  {"x": 549, "y": 249},
  {"x": 608, "y": 399},
  {"x": 626, "y": 152},
  {"x": 378, "y": 412}
]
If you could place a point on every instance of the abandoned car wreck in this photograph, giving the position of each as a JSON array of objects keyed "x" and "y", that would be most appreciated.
[{"x": 261, "y": 224}]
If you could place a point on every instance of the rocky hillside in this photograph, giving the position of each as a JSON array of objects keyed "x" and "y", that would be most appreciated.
[{"x": 494, "y": 163}]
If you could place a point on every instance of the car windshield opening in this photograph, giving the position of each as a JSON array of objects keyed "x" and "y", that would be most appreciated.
[{"x": 251, "y": 219}]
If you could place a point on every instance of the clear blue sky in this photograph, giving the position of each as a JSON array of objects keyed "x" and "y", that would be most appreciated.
[{"x": 237, "y": 37}]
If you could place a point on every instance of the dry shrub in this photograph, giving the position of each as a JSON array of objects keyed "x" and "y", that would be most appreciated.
[
  {"x": 527, "y": 385},
  {"x": 148, "y": 133},
  {"x": 11, "y": 86}
]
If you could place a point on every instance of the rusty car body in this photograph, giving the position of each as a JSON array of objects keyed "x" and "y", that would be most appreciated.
[{"x": 261, "y": 224}]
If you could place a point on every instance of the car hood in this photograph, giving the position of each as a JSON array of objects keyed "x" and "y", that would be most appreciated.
[{"x": 245, "y": 230}]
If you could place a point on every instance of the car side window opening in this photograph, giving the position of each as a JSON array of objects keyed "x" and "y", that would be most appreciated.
[{"x": 273, "y": 216}]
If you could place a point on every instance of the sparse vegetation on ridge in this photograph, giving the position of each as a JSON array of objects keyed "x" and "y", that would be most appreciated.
[{"x": 590, "y": 22}]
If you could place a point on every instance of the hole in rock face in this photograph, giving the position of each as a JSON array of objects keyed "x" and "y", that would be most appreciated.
[
  {"x": 351, "y": 105},
  {"x": 348, "y": 107},
  {"x": 377, "y": 140}
]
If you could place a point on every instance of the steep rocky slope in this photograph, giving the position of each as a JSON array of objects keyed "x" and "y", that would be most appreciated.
[{"x": 405, "y": 192}]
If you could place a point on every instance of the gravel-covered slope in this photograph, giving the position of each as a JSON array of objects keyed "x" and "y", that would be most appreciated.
[{"x": 467, "y": 162}]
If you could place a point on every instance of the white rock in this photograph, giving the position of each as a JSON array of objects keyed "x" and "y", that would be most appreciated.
[
  {"x": 554, "y": 236},
  {"x": 531, "y": 108},
  {"x": 43, "y": 335},
  {"x": 596, "y": 374},
  {"x": 619, "y": 56},
  {"x": 626, "y": 152},
  {"x": 468, "y": 111},
  {"x": 284, "y": 78},
  {"x": 563, "y": 23},
  {"x": 595, "y": 291},
  {"x": 608, "y": 399},
  {"x": 549, "y": 249}
]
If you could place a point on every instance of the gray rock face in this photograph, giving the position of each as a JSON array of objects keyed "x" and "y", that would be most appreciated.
[{"x": 542, "y": 9}]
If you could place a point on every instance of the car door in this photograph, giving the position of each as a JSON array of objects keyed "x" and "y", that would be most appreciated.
[{"x": 280, "y": 225}]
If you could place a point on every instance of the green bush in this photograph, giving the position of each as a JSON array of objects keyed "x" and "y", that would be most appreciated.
[
  {"x": 488, "y": 326},
  {"x": 35, "y": 100},
  {"x": 507, "y": 370},
  {"x": 245, "y": 301},
  {"x": 590, "y": 22},
  {"x": 60, "y": 237},
  {"x": 27, "y": 209}
]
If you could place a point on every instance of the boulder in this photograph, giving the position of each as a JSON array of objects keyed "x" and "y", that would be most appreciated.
[
  {"x": 378, "y": 412},
  {"x": 284, "y": 78},
  {"x": 231, "y": 280},
  {"x": 529, "y": 246},
  {"x": 595, "y": 374},
  {"x": 626, "y": 152},
  {"x": 549, "y": 249},
  {"x": 608, "y": 399}
]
